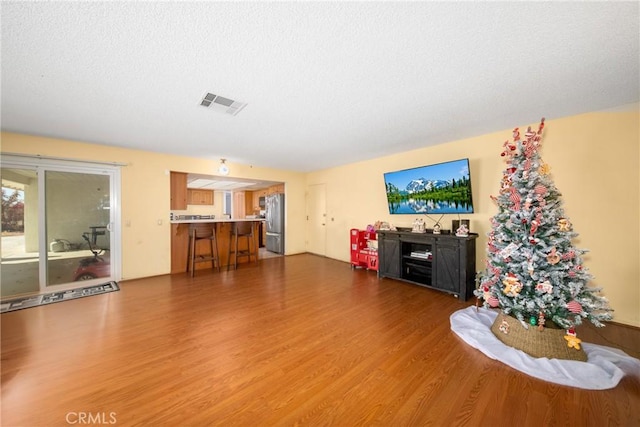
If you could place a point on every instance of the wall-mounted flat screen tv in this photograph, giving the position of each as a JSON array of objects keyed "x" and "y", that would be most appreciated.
[{"x": 443, "y": 188}]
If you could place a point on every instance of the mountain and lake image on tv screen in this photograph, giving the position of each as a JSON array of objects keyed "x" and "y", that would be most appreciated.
[{"x": 443, "y": 188}]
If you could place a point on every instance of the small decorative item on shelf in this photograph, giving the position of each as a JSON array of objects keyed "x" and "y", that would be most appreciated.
[
  {"x": 382, "y": 225},
  {"x": 418, "y": 226},
  {"x": 462, "y": 231},
  {"x": 436, "y": 228}
]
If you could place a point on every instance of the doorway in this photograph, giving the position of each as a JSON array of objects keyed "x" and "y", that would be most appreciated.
[
  {"x": 58, "y": 225},
  {"x": 316, "y": 219}
]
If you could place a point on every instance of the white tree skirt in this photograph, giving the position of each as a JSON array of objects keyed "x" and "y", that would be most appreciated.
[{"x": 604, "y": 368}]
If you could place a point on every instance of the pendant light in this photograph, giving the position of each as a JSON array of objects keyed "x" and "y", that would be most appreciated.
[{"x": 223, "y": 169}]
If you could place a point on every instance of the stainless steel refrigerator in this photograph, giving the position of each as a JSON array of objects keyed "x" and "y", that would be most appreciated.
[{"x": 274, "y": 220}]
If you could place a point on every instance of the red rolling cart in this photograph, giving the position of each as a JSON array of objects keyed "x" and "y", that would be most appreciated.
[{"x": 364, "y": 252}]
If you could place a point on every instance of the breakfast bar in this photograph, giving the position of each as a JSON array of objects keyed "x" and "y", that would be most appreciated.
[{"x": 223, "y": 231}]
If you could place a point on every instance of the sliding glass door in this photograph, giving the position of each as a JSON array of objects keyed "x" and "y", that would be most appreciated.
[
  {"x": 19, "y": 272},
  {"x": 66, "y": 231},
  {"x": 78, "y": 222}
]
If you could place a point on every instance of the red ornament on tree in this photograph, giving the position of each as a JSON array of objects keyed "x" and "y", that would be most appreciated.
[{"x": 574, "y": 306}]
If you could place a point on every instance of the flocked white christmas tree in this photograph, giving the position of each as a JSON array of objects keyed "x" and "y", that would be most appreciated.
[{"x": 533, "y": 272}]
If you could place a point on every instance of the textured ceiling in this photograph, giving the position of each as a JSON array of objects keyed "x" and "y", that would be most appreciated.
[{"x": 326, "y": 83}]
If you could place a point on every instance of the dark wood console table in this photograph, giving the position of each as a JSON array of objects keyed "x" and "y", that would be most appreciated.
[{"x": 438, "y": 261}]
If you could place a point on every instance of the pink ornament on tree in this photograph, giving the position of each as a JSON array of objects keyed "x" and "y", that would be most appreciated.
[
  {"x": 541, "y": 126},
  {"x": 515, "y": 198},
  {"x": 509, "y": 149},
  {"x": 536, "y": 223},
  {"x": 545, "y": 286},
  {"x": 574, "y": 306},
  {"x": 529, "y": 133},
  {"x": 529, "y": 150}
]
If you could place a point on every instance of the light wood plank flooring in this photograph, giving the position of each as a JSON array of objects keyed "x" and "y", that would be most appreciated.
[{"x": 298, "y": 340}]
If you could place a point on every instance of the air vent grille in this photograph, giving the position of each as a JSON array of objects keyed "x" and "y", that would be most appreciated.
[{"x": 222, "y": 104}]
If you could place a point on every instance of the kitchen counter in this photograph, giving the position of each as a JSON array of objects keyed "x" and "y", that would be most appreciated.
[
  {"x": 180, "y": 241},
  {"x": 200, "y": 221}
]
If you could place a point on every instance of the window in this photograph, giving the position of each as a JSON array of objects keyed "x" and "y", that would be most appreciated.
[{"x": 227, "y": 203}]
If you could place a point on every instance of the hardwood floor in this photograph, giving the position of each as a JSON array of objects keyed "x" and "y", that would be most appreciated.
[{"x": 298, "y": 340}]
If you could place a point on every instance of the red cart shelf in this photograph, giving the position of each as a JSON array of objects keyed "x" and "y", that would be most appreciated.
[{"x": 363, "y": 253}]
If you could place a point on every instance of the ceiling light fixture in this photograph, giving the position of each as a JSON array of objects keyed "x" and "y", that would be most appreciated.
[{"x": 223, "y": 169}]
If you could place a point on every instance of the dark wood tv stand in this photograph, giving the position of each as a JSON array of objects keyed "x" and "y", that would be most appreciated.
[{"x": 438, "y": 261}]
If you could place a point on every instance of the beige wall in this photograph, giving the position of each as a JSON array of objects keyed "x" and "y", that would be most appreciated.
[
  {"x": 594, "y": 161},
  {"x": 145, "y": 195}
]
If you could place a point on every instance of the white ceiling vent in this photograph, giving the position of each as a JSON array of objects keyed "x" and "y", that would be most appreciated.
[{"x": 221, "y": 104}]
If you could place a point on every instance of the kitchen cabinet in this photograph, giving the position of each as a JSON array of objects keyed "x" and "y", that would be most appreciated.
[
  {"x": 249, "y": 207},
  {"x": 180, "y": 240},
  {"x": 276, "y": 189},
  {"x": 257, "y": 194},
  {"x": 239, "y": 205},
  {"x": 178, "y": 191},
  {"x": 199, "y": 197}
]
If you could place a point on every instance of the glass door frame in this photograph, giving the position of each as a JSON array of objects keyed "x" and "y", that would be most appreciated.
[{"x": 44, "y": 164}]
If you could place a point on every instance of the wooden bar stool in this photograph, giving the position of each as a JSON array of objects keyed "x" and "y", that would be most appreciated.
[
  {"x": 198, "y": 232},
  {"x": 241, "y": 230}
]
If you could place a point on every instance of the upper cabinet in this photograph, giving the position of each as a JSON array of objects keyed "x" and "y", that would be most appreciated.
[
  {"x": 181, "y": 196},
  {"x": 276, "y": 189},
  {"x": 199, "y": 197},
  {"x": 178, "y": 191},
  {"x": 239, "y": 205},
  {"x": 250, "y": 207},
  {"x": 256, "y": 198},
  {"x": 261, "y": 194}
]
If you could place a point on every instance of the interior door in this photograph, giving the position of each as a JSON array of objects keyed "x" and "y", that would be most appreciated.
[{"x": 317, "y": 219}]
